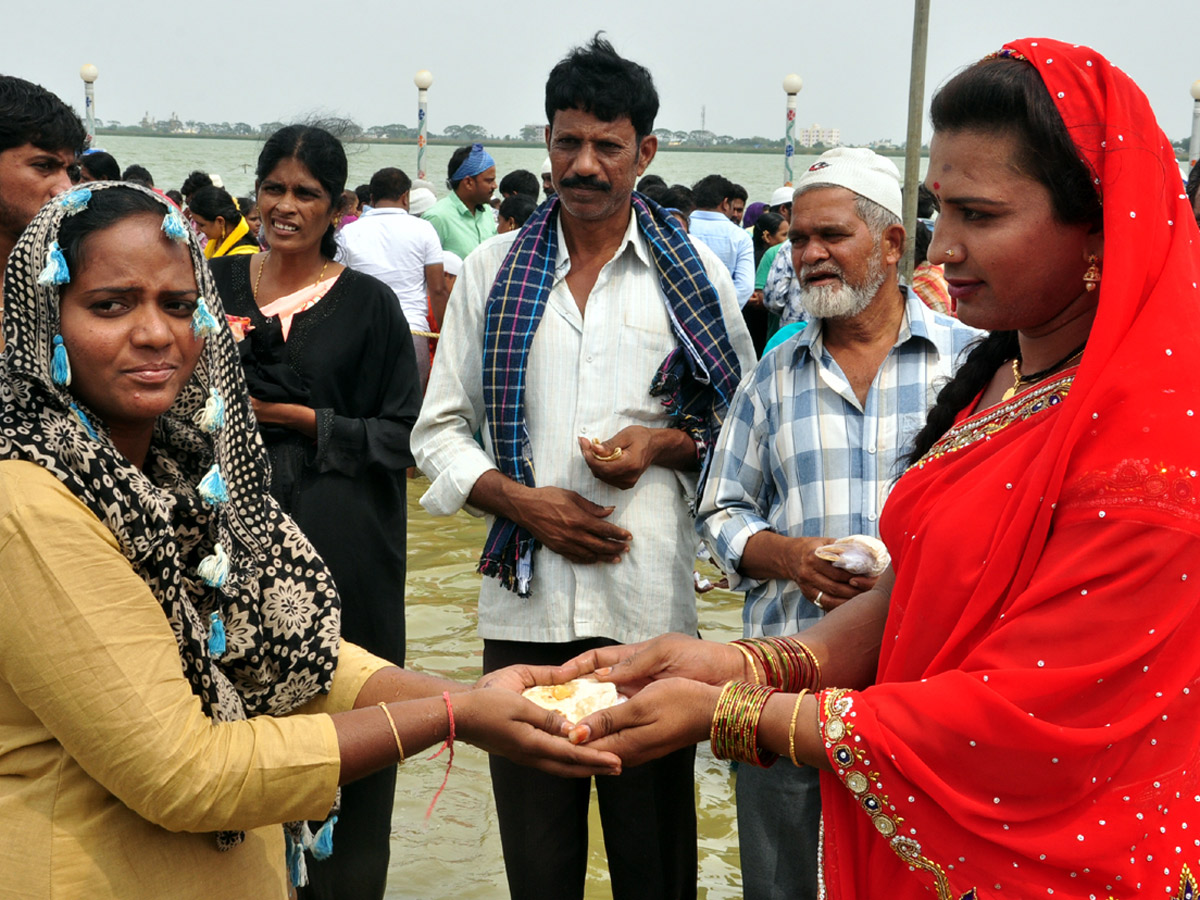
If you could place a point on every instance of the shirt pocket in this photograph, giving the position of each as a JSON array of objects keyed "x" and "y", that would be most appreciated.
[{"x": 643, "y": 343}]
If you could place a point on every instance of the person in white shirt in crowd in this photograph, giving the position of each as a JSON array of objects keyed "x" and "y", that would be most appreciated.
[
  {"x": 639, "y": 345},
  {"x": 400, "y": 250}
]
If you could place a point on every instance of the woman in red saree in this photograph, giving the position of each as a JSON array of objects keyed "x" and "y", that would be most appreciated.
[{"x": 1013, "y": 712}]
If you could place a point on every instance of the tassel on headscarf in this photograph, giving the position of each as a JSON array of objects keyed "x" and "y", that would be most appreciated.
[
  {"x": 60, "y": 366},
  {"x": 87, "y": 425},
  {"x": 322, "y": 845},
  {"x": 75, "y": 201},
  {"x": 174, "y": 227},
  {"x": 299, "y": 837},
  {"x": 204, "y": 323},
  {"x": 212, "y": 417},
  {"x": 297, "y": 871},
  {"x": 214, "y": 569},
  {"x": 55, "y": 271},
  {"x": 216, "y": 635},
  {"x": 212, "y": 487}
]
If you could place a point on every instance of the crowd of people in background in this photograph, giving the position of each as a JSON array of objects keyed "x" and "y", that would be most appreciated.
[{"x": 213, "y": 406}]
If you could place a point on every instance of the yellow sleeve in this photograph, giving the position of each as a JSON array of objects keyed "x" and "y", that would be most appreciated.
[
  {"x": 87, "y": 648},
  {"x": 355, "y": 667}
]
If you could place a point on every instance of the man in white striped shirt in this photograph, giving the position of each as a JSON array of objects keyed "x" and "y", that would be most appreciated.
[
  {"x": 615, "y": 543},
  {"x": 811, "y": 445}
]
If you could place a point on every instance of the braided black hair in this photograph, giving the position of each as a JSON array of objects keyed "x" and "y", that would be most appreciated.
[{"x": 980, "y": 366}]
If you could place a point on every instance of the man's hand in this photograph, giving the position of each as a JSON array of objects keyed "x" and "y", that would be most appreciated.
[
  {"x": 770, "y": 555},
  {"x": 568, "y": 524},
  {"x": 621, "y": 460},
  {"x": 820, "y": 580},
  {"x": 573, "y": 526}
]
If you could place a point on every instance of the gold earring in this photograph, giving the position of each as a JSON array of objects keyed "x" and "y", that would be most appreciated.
[{"x": 1091, "y": 277}]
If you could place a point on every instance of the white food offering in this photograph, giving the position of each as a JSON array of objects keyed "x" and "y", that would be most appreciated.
[
  {"x": 575, "y": 699},
  {"x": 859, "y": 554}
]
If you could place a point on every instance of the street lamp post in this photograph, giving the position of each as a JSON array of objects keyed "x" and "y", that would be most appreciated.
[
  {"x": 912, "y": 143},
  {"x": 89, "y": 74},
  {"x": 791, "y": 86},
  {"x": 423, "y": 79},
  {"x": 1194, "y": 146}
]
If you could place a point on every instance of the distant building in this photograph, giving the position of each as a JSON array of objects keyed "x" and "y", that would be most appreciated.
[{"x": 810, "y": 137}]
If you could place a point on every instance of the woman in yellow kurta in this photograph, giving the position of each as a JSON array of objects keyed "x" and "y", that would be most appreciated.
[
  {"x": 172, "y": 683},
  {"x": 220, "y": 220}
]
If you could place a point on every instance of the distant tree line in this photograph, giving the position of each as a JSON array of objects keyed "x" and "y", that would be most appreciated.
[
  {"x": 464, "y": 134},
  {"x": 396, "y": 131}
]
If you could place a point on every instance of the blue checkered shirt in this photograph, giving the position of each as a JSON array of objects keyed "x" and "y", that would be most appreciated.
[{"x": 801, "y": 457}]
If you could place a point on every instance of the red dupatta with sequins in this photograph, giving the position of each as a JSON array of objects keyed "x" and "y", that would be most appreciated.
[{"x": 1034, "y": 730}]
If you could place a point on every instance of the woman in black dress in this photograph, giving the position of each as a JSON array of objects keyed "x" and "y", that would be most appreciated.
[{"x": 333, "y": 381}]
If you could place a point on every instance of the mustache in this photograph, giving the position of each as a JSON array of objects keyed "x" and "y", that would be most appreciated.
[
  {"x": 809, "y": 272},
  {"x": 588, "y": 182}
]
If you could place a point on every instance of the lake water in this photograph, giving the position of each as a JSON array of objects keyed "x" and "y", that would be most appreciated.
[
  {"x": 457, "y": 853},
  {"x": 171, "y": 159}
]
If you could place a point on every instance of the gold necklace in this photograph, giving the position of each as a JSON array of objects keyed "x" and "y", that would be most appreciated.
[
  {"x": 258, "y": 280},
  {"x": 1019, "y": 380}
]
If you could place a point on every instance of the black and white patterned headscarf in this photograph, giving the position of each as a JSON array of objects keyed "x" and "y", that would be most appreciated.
[{"x": 264, "y": 583}]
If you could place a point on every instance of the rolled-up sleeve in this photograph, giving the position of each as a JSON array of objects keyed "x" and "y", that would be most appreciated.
[
  {"x": 444, "y": 438},
  {"x": 737, "y": 491}
]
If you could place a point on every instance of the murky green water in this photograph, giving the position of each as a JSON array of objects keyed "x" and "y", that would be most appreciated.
[{"x": 457, "y": 853}]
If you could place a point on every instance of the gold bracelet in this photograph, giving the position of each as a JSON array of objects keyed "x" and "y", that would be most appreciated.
[
  {"x": 749, "y": 660},
  {"x": 396, "y": 734},
  {"x": 792, "y": 729}
]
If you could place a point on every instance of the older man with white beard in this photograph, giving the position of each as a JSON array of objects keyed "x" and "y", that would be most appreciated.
[{"x": 810, "y": 447}]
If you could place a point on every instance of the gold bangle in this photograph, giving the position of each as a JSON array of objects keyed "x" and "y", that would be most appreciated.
[
  {"x": 396, "y": 734},
  {"x": 792, "y": 729},
  {"x": 749, "y": 661}
]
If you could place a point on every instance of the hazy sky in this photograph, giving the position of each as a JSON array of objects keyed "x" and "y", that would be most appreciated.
[{"x": 256, "y": 61}]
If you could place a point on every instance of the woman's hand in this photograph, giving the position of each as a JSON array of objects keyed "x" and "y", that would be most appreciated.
[
  {"x": 499, "y": 721},
  {"x": 521, "y": 677},
  {"x": 665, "y": 716},
  {"x": 290, "y": 415},
  {"x": 633, "y": 666}
]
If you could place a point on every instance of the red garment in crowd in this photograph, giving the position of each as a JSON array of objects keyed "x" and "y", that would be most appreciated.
[
  {"x": 1034, "y": 729},
  {"x": 929, "y": 281}
]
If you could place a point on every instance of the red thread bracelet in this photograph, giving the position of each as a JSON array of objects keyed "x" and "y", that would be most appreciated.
[{"x": 450, "y": 762}]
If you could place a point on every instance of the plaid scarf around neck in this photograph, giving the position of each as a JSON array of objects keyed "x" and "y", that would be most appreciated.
[{"x": 696, "y": 380}]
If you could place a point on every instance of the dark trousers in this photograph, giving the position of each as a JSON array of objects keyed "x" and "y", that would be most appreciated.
[
  {"x": 779, "y": 825},
  {"x": 648, "y": 813},
  {"x": 357, "y": 870}
]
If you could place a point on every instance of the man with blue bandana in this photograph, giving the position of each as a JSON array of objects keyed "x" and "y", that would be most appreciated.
[{"x": 463, "y": 219}]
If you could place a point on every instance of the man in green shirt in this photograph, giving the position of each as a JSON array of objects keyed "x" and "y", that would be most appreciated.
[{"x": 463, "y": 219}]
